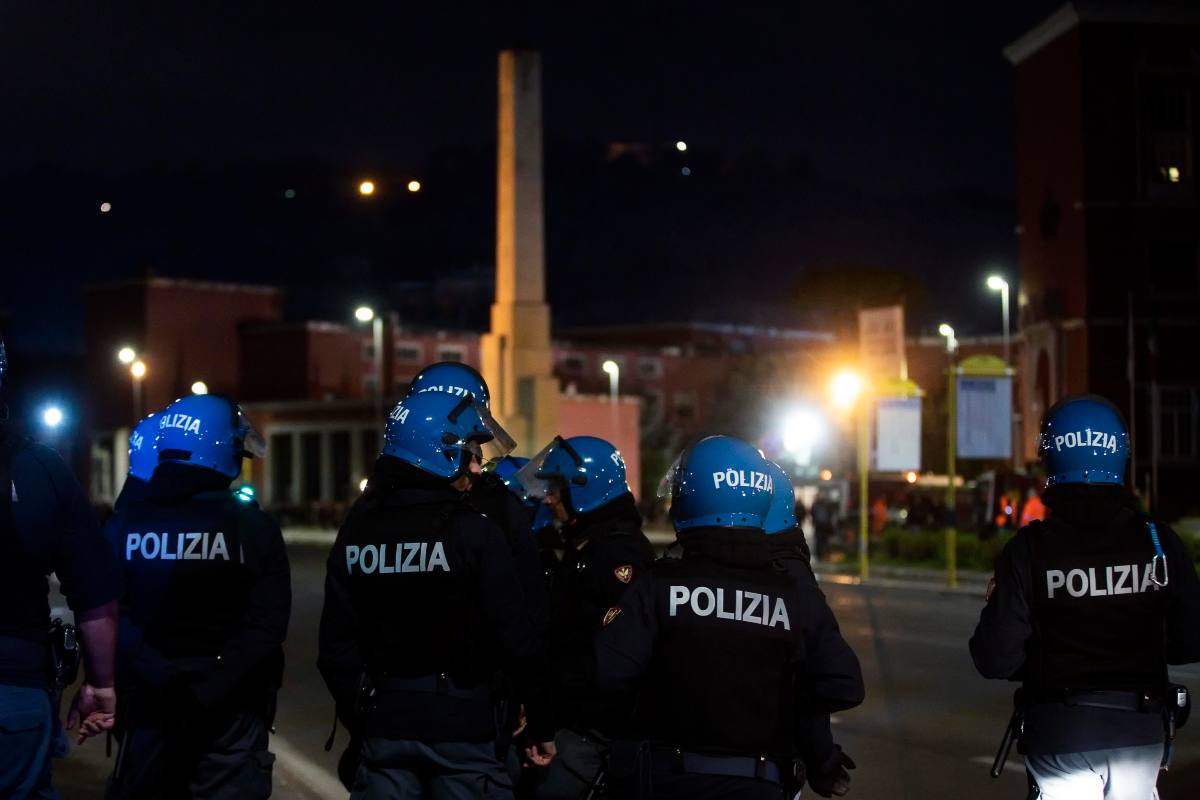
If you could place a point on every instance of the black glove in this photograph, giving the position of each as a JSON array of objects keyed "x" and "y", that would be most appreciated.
[{"x": 833, "y": 776}]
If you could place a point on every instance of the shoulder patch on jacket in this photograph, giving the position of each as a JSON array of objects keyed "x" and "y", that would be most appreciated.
[
  {"x": 610, "y": 615},
  {"x": 624, "y": 573}
]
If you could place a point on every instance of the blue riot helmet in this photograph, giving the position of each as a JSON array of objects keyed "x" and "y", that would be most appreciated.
[
  {"x": 439, "y": 433},
  {"x": 1084, "y": 440},
  {"x": 454, "y": 378},
  {"x": 543, "y": 518},
  {"x": 781, "y": 516},
  {"x": 719, "y": 482},
  {"x": 208, "y": 431},
  {"x": 143, "y": 449},
  {"x": 589, "y": 470},
  {"x": 506, "y": 470}
]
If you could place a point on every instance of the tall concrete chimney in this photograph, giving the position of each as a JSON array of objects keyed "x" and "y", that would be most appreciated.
[{"x": 517, "y": 362}]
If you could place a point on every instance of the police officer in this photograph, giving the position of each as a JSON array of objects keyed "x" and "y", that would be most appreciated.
[
  {"x": 143, "y": 458},
  {"x": 423, "y": 611},
  {"x": 545, "y": 532},
  {"x": 1087, "y": 609},
  {"x": 721, "y": 645},
  {"x": 492, "y": 496},
  {"x": 826, "y": 766},
  {"x": 203, "y": 618},
  {"x": 46, "y": 525},
  {"x": 582, "y": 480},
  {"x": 489, "y": 492}
]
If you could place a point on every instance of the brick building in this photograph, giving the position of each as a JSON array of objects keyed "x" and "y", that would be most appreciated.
[{"x": 1109, "y": 225}]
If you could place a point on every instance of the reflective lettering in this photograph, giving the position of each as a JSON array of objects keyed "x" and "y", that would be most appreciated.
[
  {"x": 1082, "y": 576},
  {"x": 1122, "y": 573},
  {"x": 721, "y": 612},
  {"x": 708, "y": 609},
  {"x": 679, "y": 596},
  {"x": 780, "y": 615},
  {"x": 1055, "y": 579}
]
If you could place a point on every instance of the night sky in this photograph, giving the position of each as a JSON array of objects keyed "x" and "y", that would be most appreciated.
[{"x": 876, "y": 134}]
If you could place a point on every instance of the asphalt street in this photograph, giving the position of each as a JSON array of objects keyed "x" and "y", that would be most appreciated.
[{"x": 928, "y": 729}]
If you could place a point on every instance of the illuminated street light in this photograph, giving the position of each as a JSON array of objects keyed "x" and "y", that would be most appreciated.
[
  {"x": 614, "y": 377},
  {"x": 199, "y": 387},
  {"x": 681, "y": 146},
  {"x": 138, "y": 369},
  {"x": 366, "y": 188},
  {"x": 1173, "y": 174},
  {"x": 826, "y": 474},
  {"x": 414, "y": 186},
  {"x": 126, "y": 355},
  {"x": 105, "y": 207},
  {"x": 365, "y": 314},
  {"x": 846, "y": 388},
  {"x": 998, "y": 284},
  {"x": 52, "y": 416},
  {"x": 910, "y": 476},
  {"x": 801, "y": 430},
  {"x": 951, "y": 342},
  {"x": 362, "y": 485}
]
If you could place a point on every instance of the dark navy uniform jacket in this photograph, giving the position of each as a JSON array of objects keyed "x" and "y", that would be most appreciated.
[
  {"x": 46, "y": 525},
  {"x": 421, "y": 587},
  {"x": 208, "y": 590},
  {"x": 726, "y": 650},
  {"x": 1074, "y": 609},
  {"x": 605, "y": 552}
]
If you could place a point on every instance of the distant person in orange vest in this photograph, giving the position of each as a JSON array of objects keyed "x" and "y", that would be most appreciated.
[
  {"x": 1034, "y": 509},
  {"x": 878, "y": 515}
]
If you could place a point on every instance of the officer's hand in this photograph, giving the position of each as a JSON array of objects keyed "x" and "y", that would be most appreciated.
[
  {"x": 521, "y": 722},
  {"x": 540, "y": 754},
  {"x": 834, "y": 776},
  {"x": 93, "y": 710},
  {"x": 991, "y": 587}
]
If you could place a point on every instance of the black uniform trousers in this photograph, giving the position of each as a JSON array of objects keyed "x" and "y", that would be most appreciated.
[{"x": 220, "y": 757}]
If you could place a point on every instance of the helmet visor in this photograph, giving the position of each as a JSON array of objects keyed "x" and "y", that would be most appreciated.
[
  {"x": 666, "y": 485},
  {"x": 490, "y": 441},
  {"x": 254, "y": 445},
  {"x": 536, "y": 483}
]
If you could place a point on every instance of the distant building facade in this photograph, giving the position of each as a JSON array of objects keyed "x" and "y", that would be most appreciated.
[{"x": 1109, "y": 226}]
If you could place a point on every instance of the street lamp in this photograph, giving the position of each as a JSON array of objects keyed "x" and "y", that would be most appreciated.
[
  {"x": 681, "y": 146},
  {"x": 614, "y": 377},
  {"x": 801, "y": 430},
  {"x": 199, "y": 387},
  {"x": 367, "y": 314},
  {"x": 52, "y": 417},
  {"x": 138, "y": 372},
  {"x": 414, "y": 186},
  {"x": 846, "y": 389},
  {"x": 366, "y": 188},
  {"x": 998, "y": 284},
  {"x": 126, "y": 355},
  {"x": 951, "y": 342}
]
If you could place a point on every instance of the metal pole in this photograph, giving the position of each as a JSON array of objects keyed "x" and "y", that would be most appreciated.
[
  {"x": 137, "y": 400},
  {"x": 613, "y": 377},
  {"x": 864, "y": 455},
  {"x": 1004, "y": 313},
  {"x": 377, "y": 342},
  {"x": 951, "y": 474}
]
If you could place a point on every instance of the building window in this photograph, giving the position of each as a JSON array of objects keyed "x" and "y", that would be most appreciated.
[
  {"x": 409, "y": 352},
  {"x": 650, "y": 369},
  {"x": 573, "y": 364},
  {"x": 342, "y": 478},
  {"x": 446, "y": 353},
  {"x": 1177, "y": 413},
  {"x": 685, "y": 405},
  {"x": 310, "y": 466},
  {"x": 652, "y": 408},
  {"x": 281, "y": 455},
  {"x": 1167, "y": 136}
]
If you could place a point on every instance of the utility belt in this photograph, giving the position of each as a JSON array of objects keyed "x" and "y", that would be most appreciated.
[
  {"x": 633, "y": 765},
  {"x": 1174, "y": 704},
  {"x": 51, "y": 662},
  {"x": 436, "y": 707}
]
